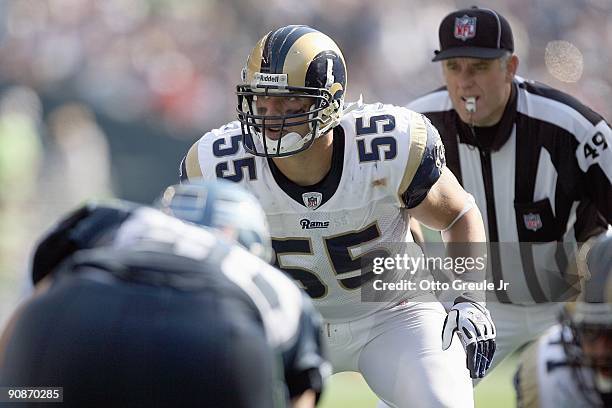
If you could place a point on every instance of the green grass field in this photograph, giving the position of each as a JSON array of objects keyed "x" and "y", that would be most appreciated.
[{"x": 348, "y": 390}]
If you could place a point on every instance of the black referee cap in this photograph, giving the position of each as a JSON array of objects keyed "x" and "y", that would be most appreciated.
[{"x": 474, "y": 33}]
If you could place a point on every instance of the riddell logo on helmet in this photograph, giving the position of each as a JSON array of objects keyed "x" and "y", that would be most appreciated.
[
  {"x": 267, "y": 78},
  {"x": 260, "y": 79}
]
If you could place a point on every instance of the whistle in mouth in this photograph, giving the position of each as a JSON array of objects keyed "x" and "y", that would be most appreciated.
[{"x": 470, "y": 104}]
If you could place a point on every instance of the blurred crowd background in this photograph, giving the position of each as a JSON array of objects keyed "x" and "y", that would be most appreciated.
[{"x": 101, "y": 98}]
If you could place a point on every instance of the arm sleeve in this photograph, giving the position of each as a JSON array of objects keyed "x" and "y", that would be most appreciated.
[
  {"x": 594, "y": 156},
  {"x": 430, "y": 162}
]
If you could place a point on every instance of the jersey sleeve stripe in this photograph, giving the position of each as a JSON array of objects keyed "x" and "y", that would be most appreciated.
[
  {"x": 538, "y": 89},
  {"x": 192, "y": 163},
  {"x": 418, "y": 142},
  {"x": 526, "y": 381}
]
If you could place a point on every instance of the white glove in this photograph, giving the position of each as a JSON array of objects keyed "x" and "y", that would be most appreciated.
[{"x": 476, "y": 330}]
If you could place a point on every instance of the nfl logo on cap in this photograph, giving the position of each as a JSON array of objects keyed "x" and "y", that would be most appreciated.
[
  {"x": 459, "y": 38},
  {"x": 465, "y": 27}
]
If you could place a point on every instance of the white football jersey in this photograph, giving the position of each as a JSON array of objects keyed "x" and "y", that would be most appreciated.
[
  {"x": 544, "y": 379},
  {"x": 385, "y": 159}
]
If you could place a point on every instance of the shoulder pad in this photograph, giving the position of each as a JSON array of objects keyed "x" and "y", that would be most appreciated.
[
  {"x": 375, "y": 119},
  {"x": 526, "y": 381},
  {"x": 220, "y": 142},
  {"x": 81, "y": 229}
]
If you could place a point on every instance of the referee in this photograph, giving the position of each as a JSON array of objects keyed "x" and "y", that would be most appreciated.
[{"x": 537, "y": 161}]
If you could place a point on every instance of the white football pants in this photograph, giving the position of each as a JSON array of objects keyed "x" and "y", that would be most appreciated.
[{"x": 399, "y": 353}]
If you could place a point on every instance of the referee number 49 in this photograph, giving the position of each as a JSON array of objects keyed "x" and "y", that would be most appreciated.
[{"x": 599, "y": 141}]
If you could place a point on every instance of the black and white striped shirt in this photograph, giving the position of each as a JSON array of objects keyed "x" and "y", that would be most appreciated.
[{"x": 541, "y": 175}]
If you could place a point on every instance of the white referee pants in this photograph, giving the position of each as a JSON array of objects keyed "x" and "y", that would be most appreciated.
[
  {"x": 517, "y": 325},
  {"x": 399, "y": 353}
]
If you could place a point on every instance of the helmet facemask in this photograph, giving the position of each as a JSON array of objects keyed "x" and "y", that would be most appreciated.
[
  {"x": 583, "y": 325},
  {"x": 322, "y": 114}
]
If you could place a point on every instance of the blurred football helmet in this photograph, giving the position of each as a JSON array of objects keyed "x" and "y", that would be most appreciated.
[
  {"x": 224, "y": 206},
  {"x": 295, "y": 61},
  {"x": 92, "y": 225},
  {"x": 587, "y": 335}
]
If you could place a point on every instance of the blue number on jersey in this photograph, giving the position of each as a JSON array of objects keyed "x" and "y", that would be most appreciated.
[
  {"x": 387, "y": 143},
  {"x": 220, "y": 150}
]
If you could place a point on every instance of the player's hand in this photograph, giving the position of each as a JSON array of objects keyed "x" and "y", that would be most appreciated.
[{"x": 476, "y": 330}]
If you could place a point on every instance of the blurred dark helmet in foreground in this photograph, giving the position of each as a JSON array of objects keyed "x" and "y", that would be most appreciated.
[{"x": 588, "y": 342}]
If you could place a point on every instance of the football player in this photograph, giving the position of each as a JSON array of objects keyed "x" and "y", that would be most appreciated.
[
  {"x": 571, "y": 365},
  {"x": 338, "y": 183},
  {"x": 137, "y": 308}
]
